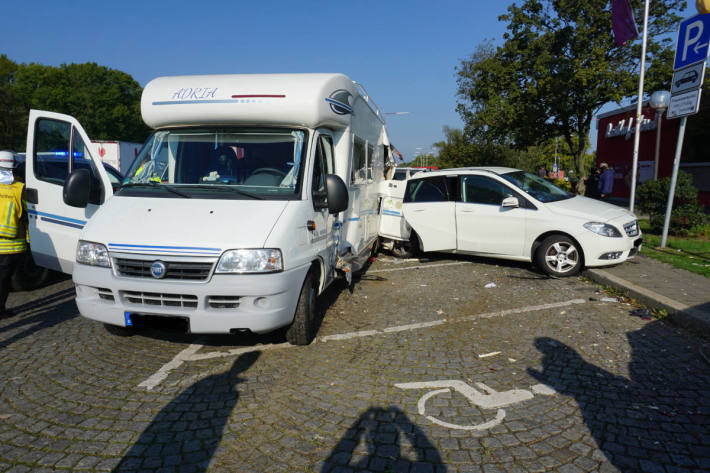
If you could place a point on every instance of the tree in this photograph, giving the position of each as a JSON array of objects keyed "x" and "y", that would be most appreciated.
[
  {"x": 105, "y": 101},
  {"x": 11, "y": 111},
  {"x": 556, "y": 68}
]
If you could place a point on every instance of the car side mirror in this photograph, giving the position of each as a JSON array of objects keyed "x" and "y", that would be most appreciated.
[
  {"x": 337, "y": 194},
  {"x": 510, "y": 202},
  {"x": 77, "y": 188}
]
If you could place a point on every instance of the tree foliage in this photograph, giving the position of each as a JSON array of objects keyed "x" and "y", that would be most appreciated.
[
  {"x": 557, "y": 66},
  {"x": 105, "y": 101}
]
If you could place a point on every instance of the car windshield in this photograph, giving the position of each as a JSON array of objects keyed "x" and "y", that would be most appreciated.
[
  {"x": 219, "y": 163},
  {"x": 537, "y": 187}
]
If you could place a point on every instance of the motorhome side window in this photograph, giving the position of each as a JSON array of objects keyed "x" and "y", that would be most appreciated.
[
  {"x": 322, "y": 165},
  {"x": 432, "y": 189},
  {"x": 359, "y": 174},
  {"x": 51, "y": 153},
  {"x": 58, "y": 151},
  {"x": 370, "y": 160}
]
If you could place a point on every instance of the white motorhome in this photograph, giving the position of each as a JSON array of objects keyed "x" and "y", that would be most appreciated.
[{"x": 251, "y": 196}]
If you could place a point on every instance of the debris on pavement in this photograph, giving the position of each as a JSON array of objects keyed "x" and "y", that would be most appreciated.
[
  {"x": 645, "y": 314},
  {"x": 490, "y": 285},
  {"x": 609, "y": 299},
  {"x": 486, "y": 355}
]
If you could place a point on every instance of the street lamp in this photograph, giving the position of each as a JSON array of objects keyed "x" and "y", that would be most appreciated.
[{"x": 659, "y": 101}]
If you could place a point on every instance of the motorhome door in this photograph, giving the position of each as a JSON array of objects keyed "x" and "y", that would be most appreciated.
[{"x": 57, "y": 145}]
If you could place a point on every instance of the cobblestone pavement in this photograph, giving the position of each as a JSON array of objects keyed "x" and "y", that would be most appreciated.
[{"x": 418, "y": 368}]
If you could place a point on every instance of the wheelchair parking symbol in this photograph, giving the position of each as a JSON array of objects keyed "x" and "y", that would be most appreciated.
[{"x": 488, "y": 399}]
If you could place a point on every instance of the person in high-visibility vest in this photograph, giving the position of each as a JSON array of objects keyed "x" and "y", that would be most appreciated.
[{"x": 13, "y": 226}]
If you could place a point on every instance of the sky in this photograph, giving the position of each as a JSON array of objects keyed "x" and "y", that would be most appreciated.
[{"x": 404, "y": 53}]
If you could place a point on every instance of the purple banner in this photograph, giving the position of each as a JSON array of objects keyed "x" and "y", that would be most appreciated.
[{"x": 622, "y": 20}]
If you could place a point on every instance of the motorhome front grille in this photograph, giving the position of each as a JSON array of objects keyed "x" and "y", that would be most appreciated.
[
  {"x": 137, "y": 268},
  {"x": 223, "y": 302},
  {"x": 632, "y": 228},
  {"x": 156, "y": 299},
  {"x": 105, "y": 294}
]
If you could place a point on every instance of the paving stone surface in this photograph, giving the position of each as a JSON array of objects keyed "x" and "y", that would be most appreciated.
[{"x": 612, "y": 392}]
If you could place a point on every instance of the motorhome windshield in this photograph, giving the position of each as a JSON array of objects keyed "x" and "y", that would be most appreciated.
[
  {"x": 537, "y": 187},
  {"x": 219, "y": 163}
]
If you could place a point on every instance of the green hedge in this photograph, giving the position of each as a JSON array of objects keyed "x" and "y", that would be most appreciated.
[{"x": 687, "y": 214}]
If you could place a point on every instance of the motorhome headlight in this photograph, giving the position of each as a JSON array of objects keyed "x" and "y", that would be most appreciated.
[
  {"x": 250, "y": 261},
  {"x": 93, "y": 254},
  {"x": 603, "y": 229}
]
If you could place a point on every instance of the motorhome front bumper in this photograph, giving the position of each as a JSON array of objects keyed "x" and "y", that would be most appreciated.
[{"x": 256, "y": 302}]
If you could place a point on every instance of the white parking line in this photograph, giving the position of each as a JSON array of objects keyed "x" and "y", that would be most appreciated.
[
  {"x": 165, "y": 370},
  {"x": 190, "y": 353}
]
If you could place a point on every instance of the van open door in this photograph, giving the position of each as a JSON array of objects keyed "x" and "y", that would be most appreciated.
[{"x": 58, "y": 146}]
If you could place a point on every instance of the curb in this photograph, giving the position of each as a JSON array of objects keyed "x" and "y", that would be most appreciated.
[{"x": 682, "y": 314}]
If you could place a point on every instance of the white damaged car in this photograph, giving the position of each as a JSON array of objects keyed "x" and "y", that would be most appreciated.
[{"x": 512, "y": 214}]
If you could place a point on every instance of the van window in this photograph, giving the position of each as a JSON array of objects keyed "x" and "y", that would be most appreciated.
[
  {"x": 431, "y": 189},
  {"x": 219, "y": 163},
  {"x": 359, "y": 173}
]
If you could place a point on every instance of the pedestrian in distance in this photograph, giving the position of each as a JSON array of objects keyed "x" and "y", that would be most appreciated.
[
  {"x": 13, "y": 226},
  {"x": 606, "y": 181},
  {"x": 592, "y": 183}
]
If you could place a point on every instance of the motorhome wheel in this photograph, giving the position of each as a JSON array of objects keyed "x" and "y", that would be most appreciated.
[{"x": 302, "y": 329}]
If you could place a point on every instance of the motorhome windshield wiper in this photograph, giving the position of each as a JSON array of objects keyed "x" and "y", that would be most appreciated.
[
  {"x": 157, "y": 185},
  {"x": 229, "y": 189}
]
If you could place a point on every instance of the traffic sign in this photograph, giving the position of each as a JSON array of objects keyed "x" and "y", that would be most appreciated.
[
  {"x": 684, "y": 104},
  {"x": 690, "y": 77},
  {"x": 693, "y": 41}
]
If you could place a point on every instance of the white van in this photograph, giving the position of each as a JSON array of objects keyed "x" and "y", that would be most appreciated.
[{"x": 251, "y": 196}]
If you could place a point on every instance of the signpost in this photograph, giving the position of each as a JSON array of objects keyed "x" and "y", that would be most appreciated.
[{"x": 691, "y": 53}]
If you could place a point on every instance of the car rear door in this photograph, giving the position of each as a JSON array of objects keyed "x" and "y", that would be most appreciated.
[
  {"x": 431, "y": 213},
  {"x": 57, "y": 145}
]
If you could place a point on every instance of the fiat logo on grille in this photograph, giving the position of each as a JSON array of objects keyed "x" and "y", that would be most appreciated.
[{"x": 158, "y": 269}]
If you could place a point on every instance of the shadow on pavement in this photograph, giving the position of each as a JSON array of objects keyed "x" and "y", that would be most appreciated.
[
  {"x": 185, "y": 434},
  {"x": 658, "y": 417},
  {"x": 384, "y": 439},
  {"x": 37, "y": 315}
]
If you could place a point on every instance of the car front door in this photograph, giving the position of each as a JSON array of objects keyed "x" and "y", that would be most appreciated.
[
  {"x": 429, "y": 211},
  {"x": 483, "y": 224},
  {"x": 56, "y": 146}
]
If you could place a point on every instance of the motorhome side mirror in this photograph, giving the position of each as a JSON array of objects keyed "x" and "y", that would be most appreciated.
[
  {"x": 510, "y": 202},
  {"x": 337, "y": 194},
  {"x": 77, "y": 188}
]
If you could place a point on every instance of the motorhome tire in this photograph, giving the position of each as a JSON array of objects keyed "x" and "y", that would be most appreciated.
[
  {"x": 301, "y": 330},
  {"x": 559, "y": 256},
  {"x": 27, "y": 275}
]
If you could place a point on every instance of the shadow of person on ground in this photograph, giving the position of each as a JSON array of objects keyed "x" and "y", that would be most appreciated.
[
  {"x": 383, "y": 439},
  {"x": 655, "y": 419},
  {"x": 186, "y": 432},
  {"x": 38, "y": 315}
]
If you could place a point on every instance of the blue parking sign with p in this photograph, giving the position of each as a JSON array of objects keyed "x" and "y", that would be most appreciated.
[{"x": 693, "y": 41}]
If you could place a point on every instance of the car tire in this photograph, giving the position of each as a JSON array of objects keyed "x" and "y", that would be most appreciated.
[
  {"x": 27, "y": 275},
  {"x": 559, "y": 256},
  {"x": 407, "y": 249},
  {"x": 302, "y": 329}
]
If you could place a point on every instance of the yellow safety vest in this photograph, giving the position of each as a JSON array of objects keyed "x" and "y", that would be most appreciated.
[{"x": 12, "y": 229}]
